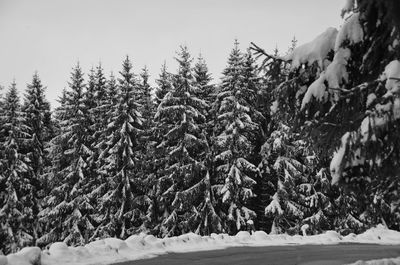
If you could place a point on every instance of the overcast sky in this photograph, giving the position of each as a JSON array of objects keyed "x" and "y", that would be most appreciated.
[{"x": 50, "y": 36}]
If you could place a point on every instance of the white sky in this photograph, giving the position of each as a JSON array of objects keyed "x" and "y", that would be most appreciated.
[{"x": 50, "y": 36}]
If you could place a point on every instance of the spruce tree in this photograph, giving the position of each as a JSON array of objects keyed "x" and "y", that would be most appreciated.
[
  {"x": 285, "y": 173},
  {"x": 234, "y": 130},
  {"x": 68, "y": 205},
  {"x": 164, "y": 84},
  {"x": 16, "y": 193},
  {"x": 37, "y": 114},
  {"x": 97, "y": 106},
  {"x": 184, "y": 185},
  {"x": 118, "y": 203},
  {"x": 348, "y": 106},
  {"x": 202, "y": 80},
  {"x": 106, "y": 106},
  {"x": 145, "y": 181}
]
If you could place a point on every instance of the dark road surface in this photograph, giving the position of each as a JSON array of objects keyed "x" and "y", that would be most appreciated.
[{"x": 277, "y": 255}]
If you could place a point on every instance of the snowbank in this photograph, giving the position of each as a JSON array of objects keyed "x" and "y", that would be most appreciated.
[
  {"x": 395, "y": 261},
  {"x": 112, "y": 250},
  {"x": 27, "y": 256}
]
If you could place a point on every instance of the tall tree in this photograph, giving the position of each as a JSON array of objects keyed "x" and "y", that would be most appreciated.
[
  {"x": 146, "y": 169},
  {"x": 285, "y": 172},
  {"x": 68, "y": 205},
  {"x": 234, "y": 130},
  {"x": 164, "y": 84},
  {"x": 202, "y": 80},
  {"x": 118, "y": 203},
  {"x": 37, "y": 114},
  {"x": 346, "y": 99},
  {"x": 16, "y": 193},
  {"x": 184, "y": 187}
]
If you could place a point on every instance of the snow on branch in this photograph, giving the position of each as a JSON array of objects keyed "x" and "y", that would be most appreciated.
[
  {"x": 351, "y": 30},
  {"x": 315, "y": 50}
]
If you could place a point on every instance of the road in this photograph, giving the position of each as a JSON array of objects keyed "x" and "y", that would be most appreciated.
[{"x": 277, "y": 255}]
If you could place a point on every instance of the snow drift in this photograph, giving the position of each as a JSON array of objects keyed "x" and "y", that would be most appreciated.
[
  {"x": 395, "y": 261},
  {"x": 112, "y": 250}
]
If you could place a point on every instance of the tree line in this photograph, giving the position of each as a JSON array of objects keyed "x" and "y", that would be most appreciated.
[{"x": 115, "y": 159}]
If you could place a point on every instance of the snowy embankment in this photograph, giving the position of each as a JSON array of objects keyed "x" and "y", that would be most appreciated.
[
  {"x": 394, "y": 261},
  {"x": 112, "y": 250}
]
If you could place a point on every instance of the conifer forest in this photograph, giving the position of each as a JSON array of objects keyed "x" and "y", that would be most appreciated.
[{"x": 304, "y": 135}]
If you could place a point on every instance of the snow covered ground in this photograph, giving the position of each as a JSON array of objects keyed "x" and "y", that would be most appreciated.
[
  {"x": 394, "y": 261},
  {"x": 112, "y": 250}
]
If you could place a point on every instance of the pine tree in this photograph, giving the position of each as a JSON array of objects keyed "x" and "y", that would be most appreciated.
[
  {"x": 234, "y": 130},
  {"x": 145, "y": 181},
  {"x": 107, "y": 96},
  {"x": 112, "y": 92},
  {"x": 293, "y": 46},
  {"x": 37, "y": 114},
  {"x": 145, "y": 99},
  {"x": 68, "y": 205},
  {"x": 367, "y": 160},
  {"x": 96, "y": 105},
  {"x": 285, "y": 173},
  {"x": 118, "y": 204},
  {"x": 348, "y": 105},
  {"x": 202, "y": 80},
  {"x": 164, "y": 83},
  {"x": 16, "y": 193},
  {"x": 184, "y": 186}
]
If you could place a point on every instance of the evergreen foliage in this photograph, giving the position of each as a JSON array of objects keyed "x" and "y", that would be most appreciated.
[
  {"x": 37, "y": 119},
  {"x": 306, "y": 138},
  {"x": 16, "y": 193},
  {"x": 68, "y": 206},
  {"x": 117, "y": 203},
  {"x": 234, "y": 131},
  {"x": 164, "y": 83},
  {"x": 184, "y": 178}
]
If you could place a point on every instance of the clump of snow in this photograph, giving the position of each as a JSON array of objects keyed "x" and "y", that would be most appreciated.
[
  {"x": 392, "y": 76},
  {"x": 274, "y": 107},
  {"x": 377, "y": 234},
  {"x": 112, "y": 250},
  {"x": 337, "y": 160},
  {"x": 395, "y": 43},
  {"x": 314, "y": 51},
  {"x": 370, "y": 99},
  {"x": 304, "y": 229},
  {"x": 348, "y": 6},
  {"x": 27, "y": 256},
  {"x": 274, "y": 207},
  {"x": 334, "y": 75},
  {"x": 3, "y": 260},
  {"x": 260, "y": 236},
  {"x": 243, "y": 236},
  {"x": 351, "y": 30},
  {"x": 336, "y": 72},
  {"x": 317, "y": 90}
]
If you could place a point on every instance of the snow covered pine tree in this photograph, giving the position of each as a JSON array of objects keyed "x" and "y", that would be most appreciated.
[
  {"x": 118, "y": 202},
  {"x": 347, "y": 83},
  {"x": 68, "y": 207},
  {"x": 16, "y": 216},
  {"x": 234, "y": 129},
  {"x": 184, "y": 186}
]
